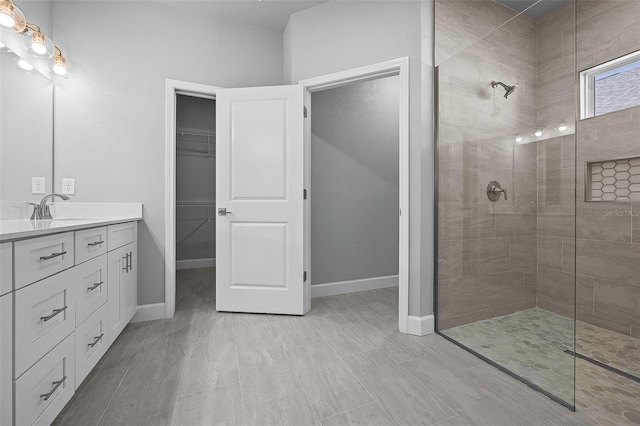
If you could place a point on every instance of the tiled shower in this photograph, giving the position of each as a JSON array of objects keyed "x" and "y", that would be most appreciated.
[{"x": 544, "y": 282}]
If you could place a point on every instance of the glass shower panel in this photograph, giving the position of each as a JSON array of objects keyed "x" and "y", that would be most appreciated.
[
  {"x": 506, "y": 187},
  {"x": 608, "y": 217}
]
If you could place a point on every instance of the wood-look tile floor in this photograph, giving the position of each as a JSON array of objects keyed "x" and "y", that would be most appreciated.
[{"x": 342, "y": 364}]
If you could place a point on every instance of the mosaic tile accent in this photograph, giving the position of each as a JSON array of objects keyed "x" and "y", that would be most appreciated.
[
  {"x": 615, "y": 180},
  {"x": 531, "y": 343}
]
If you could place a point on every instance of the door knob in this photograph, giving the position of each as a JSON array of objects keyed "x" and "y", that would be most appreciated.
[{"x": 223, "y": 212}]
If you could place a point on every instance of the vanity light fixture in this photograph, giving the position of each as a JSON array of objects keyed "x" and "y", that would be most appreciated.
[
  {"x": 37, "y": 43},
  {"x": 59, "y": 63},
  {"x": 562, "y": 127},
  {"x": 11, "y": 18},
  {"x": 538, "y": 133}
]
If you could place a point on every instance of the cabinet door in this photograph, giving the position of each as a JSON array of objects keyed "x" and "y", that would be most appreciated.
[
  {"x": 121, "y": 290},
  {"x": 6, "y": 354}
]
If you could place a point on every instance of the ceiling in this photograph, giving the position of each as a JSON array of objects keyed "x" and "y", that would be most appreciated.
[
  {"x": 541, "y": 9},
  {"x": 270, "y": 14}
]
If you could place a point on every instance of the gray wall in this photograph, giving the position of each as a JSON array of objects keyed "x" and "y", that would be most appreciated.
[
  {"x": 337, "y": 36},
  {"x": 354, "y": 181},
  {"x": 195, "y": 179},
  {"x": 110, "y": 113}
]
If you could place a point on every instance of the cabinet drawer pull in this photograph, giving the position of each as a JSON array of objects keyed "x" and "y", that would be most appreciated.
[
  {"x": 56, "y": 385},
  {"x": 96, "y": 285},
  {"x": 95, "y": 340},
  {"x": 52, "y": 255},
  {"x": 97, "y": 243},
  {"x": 55, "y": 312}
]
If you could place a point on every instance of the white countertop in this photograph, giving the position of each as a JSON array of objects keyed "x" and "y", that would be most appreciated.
[{"x": 75, "y": 216}]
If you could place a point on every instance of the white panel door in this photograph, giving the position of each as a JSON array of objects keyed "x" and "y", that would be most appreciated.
[{"x": 259, "y": 181}]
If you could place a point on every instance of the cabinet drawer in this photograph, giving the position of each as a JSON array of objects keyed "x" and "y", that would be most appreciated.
[
  {"x": 90, "y": 243},
  {"x": 121, "y": 234},
  {"x": 38, "y": 258},
  {"x": 6, "y": 268},
  {"x": 51, "y": 378},
  {"x": 90, "y": 279},
  {"x": 44, "y": 316},
  {"x": 91, "y": 343}
]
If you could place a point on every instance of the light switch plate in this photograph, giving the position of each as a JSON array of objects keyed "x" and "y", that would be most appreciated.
[
  {"x": 37, "y": 185},
  {"x": 68, "y": 186}
]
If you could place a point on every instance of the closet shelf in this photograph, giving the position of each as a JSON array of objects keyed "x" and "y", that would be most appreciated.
[
  {"x": 182, "y": 131},
  {"x": 200, "y": 203}
]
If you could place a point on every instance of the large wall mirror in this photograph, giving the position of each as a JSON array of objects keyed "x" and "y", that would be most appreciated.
[{"x": 26, "y": 114}]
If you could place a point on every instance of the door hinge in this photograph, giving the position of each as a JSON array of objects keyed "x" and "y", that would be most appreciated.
[
  {"x": 304, "y": 277},
  {"x": 304, "y": 111},
  {"x": 304, "y": 194}
]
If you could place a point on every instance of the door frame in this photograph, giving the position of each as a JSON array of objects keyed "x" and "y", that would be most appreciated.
[
  {"x": 174, "y": 88},
  {"x": 399, "y": 67}
]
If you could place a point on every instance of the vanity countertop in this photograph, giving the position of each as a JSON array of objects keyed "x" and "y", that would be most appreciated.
[{"x": 70, "y": 219}]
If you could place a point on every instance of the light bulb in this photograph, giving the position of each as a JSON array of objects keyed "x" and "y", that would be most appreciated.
[
  {"x": 562, "y": 127},
  {"x": 6, "y": 20},
  {"x": 38, "y": 48},
  {"x": 518, "y": 139},
  {"x": 11, "y": 17},
  {"x": 60, "y": 65},
  {"x": 59, "y": 70},
  {"x": 25, "y": 65},
  {"x": 538, "y": 133}
]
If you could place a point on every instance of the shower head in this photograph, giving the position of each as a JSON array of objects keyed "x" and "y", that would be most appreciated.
[{"x": 509, "y": 89}]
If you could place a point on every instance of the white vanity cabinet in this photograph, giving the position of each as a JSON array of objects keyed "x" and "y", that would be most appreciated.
[{"x": 65, "y": 298}]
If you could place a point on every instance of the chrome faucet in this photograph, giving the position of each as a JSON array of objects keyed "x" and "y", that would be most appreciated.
[{"x": 41, "y": 211}]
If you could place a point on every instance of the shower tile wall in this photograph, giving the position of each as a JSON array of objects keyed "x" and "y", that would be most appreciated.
[
  {"x": 556, "y": 161},
  {"x": 497, "y": 258},
  {"x": 608, "y": 233},
  {"x": 487, "y": 262}
]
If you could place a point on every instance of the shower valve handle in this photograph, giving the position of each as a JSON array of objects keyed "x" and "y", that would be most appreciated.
[
  {"x": 503, "y": 190},
  {"x": 494, "y": 190}
]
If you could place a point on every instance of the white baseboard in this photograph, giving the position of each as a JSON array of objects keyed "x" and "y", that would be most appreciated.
[
  {"x": 344, "y": 287},
  {"x": 154, "y": 311},
  {"x": 196, "y": 263},
  {"x": 421, "y": 326}
]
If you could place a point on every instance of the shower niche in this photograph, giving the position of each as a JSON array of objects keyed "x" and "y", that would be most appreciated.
[{"x": 613, "y": 180}]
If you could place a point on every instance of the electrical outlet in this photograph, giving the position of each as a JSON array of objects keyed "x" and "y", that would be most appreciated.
[
  {"x": 69, "y": 186},
  {"x": 37, "y": 185}
]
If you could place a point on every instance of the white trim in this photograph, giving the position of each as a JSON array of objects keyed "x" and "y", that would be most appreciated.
[
  {"x": 352, "y": 286},
  {"x": 171, "y": 88},
  {"x": 588, "y": 83},
  {"x": 154, "y": 311},
  {"x": 196, "y": 263},
  {"x": 399, "y": 67},
  {"x": 421, "y": 326}
]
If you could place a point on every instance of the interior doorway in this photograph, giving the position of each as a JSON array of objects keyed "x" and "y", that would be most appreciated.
[
  {"x": 195, "y": 182},
  {"x": 356, "y": 155},
  {"x": 189, "y": 106}
]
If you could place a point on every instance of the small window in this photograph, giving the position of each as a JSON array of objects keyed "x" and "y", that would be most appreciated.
[{"x": 610, "y": 87}]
